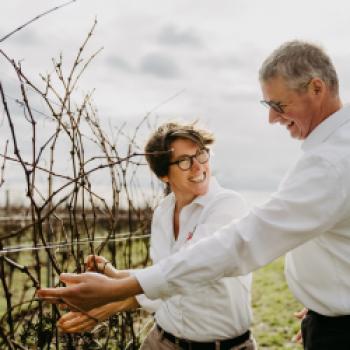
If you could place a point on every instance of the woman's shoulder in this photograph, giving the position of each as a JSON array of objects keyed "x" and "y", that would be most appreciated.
[
  {"x": 166, "y": 203},
  {"x": 226, "y": 195},
  {"x": 226, "y": 201}
]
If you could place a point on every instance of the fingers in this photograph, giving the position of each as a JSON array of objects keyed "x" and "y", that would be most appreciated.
[
  {"x": 110, "y": 271},
  {"x": 95, "y": 262},
  {"x": 69, "y": 316},
  {"x": 57, "y": 295},
  {"x": 75, "y": 322},
  {"x": 301, "y": 314},
  {"x": 51, "y": 294},
  {"x": 102, "y": 265},
  {"x": 71, "y": 278},
  {"x": 80, "y": 328},
  {"x": 298, "y": 338},
  {"x": 91, "y": 258}
]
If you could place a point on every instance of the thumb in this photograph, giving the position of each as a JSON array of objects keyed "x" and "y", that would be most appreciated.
[{"x": 70, "y": 278}]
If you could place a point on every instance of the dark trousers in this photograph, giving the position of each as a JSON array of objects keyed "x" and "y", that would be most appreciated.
[{"x": 325, "y": 333}]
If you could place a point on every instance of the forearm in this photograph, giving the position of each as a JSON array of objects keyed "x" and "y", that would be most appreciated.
[
  {"x": 125, "y": 288},
  {"x": 128, "y": 304}
]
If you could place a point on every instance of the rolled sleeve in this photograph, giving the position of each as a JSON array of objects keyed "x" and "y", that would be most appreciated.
[
  {"x": 147, "y": 304},
  {"x": 152, "y": 282}
]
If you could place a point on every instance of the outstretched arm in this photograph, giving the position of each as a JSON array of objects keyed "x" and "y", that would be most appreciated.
[{"x": 310, "y": 202}]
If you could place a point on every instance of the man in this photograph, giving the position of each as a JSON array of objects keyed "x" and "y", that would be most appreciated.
[{"x": 309, "y": 215}]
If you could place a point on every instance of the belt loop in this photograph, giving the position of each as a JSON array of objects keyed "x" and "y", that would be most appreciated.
[
  {"x": 177, "y": 343},
  {"x": 217, "y": 344}
]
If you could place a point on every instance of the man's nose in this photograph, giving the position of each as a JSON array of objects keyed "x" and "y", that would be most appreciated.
[{"x": 274, "y": 116}]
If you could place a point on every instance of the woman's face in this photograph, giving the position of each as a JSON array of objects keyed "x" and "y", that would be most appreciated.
[{"x": 187, "y": 184}]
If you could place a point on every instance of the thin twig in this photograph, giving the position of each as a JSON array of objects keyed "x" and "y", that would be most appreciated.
[{"x": 35, "y": 19}]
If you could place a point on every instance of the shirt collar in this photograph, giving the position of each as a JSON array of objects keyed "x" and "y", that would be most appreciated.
[
  {"x": 214, "y": 188},
  {"x": 326, "y": 128}
]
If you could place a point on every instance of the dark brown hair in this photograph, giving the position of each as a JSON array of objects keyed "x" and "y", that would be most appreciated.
[{"x": 158, "y": 146}]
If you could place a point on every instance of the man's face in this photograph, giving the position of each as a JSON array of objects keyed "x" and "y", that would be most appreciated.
[{"x": 299, "y": 108}]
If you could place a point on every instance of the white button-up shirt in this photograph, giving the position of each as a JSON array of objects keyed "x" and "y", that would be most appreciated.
[
  {"x": 309, "y": 215},
  {"x": 209, "y": 310}
]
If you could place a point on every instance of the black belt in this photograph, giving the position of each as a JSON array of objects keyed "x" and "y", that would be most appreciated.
[
  {"x": 342, "y": 319},
  {"x": 185, "y": 344}
]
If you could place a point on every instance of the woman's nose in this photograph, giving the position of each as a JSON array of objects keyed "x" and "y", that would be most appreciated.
[{"x": 195, "y": 164}]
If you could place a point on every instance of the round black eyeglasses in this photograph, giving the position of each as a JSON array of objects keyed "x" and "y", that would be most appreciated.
[{"x": 186, "y": 162}]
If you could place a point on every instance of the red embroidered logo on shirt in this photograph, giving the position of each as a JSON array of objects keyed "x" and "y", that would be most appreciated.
[{"x": 189, "y": 236}]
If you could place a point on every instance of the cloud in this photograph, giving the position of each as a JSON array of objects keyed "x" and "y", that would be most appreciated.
[
  {"x": 119, "y": 63},
  {"x": 241, "y": 94},
  {"x": 159, "y": 65},
  {"x": 171, "y": 35},
  {"x": 246, "y": 58},
  {"x": 26, "y": 37}
]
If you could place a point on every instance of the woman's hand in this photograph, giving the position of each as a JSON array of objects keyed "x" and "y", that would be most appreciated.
[
  {"x": 77, "y": 322},
  {"x": 100, "y": 264}
]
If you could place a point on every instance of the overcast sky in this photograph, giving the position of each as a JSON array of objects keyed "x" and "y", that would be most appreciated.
[{"x": 207, "y": 51}]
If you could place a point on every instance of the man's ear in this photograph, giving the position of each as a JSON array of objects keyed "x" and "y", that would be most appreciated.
[{"x": 318, "y": 86}]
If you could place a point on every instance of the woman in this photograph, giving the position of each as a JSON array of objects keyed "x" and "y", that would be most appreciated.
[{"x": 215, "y": 315}]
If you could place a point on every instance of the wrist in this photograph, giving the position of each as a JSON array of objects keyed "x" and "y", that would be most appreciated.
[{"x": 125, "y": 288}]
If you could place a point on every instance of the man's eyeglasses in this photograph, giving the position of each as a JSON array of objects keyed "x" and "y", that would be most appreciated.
[
  {"x": 186, "y": 162},
  {"x": 276, "y": 106}
]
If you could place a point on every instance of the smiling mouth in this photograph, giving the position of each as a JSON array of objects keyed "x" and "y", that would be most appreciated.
[
  {"x": 290, "y": 124},
  {"x": 199, "y": 178}
]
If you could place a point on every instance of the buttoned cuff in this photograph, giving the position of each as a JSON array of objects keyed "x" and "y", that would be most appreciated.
[{"x": 152, "y": 282}]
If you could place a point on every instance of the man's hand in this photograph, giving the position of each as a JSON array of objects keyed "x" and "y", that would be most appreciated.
[
  {"x": 89, "y": 290},
  {"x": 77, "y": 322},
  {"x": 298, "y": 338}
]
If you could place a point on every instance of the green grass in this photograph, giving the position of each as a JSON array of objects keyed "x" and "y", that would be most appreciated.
[{"x": 273, "y": 307}]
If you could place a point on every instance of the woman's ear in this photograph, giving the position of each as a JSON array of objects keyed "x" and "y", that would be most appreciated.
[{"x": 165, "y": 179}]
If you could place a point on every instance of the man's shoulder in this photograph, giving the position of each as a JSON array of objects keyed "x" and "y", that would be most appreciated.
[{"x": 335, "y": 150}]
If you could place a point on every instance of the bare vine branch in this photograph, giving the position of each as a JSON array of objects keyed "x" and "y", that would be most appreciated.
[{"x": 35, "y": 19}]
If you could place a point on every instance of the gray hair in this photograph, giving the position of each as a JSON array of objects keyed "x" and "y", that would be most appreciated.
[{"x": 298, "y": 62}]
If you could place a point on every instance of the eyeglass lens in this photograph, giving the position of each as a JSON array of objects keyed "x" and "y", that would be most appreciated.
[{"x": 201, "y": 156}]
